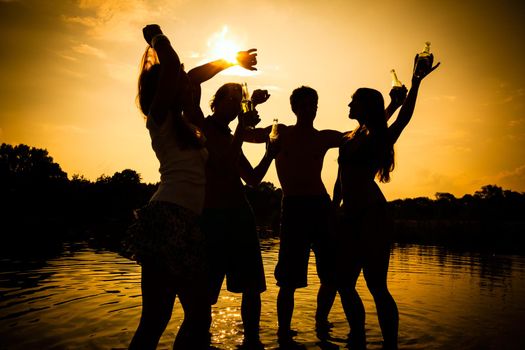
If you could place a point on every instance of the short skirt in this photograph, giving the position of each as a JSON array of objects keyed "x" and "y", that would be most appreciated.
[{"x": 169, "y": 237}]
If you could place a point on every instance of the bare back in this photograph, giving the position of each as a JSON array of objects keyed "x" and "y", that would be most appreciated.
[{"x": 300, "y": 161}]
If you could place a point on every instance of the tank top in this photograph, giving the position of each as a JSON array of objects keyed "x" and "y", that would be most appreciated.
[{"x": 182, "y": 171}]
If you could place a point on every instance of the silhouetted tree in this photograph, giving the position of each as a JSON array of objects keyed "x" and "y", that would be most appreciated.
[
  {"x": 265, "y": 200},
  {"x": 39, "y": 206},
  {"x": 26, "y": 165}
]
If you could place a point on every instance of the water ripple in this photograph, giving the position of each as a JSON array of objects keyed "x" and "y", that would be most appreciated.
[{"x": 91, "y": 299}]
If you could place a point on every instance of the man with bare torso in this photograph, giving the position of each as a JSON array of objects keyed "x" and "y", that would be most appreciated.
[{"x": 306, "y": 218}]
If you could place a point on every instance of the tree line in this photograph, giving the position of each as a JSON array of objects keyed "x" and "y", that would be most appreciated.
[{"x": 41, "y": 207}]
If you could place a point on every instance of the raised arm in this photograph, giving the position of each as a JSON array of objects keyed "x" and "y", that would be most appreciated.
[
  {"x": 168, "y": 74},
  {"x": 246, "y": 59},
  {"x": 407, "y": 110},
  {"x": 205, "y": 72},
  {"x": 198, "y": 75},
  {"x": 397, "y": 97}
]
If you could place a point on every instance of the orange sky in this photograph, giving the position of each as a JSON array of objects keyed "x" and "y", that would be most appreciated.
[{"x": 68, "y": 79}]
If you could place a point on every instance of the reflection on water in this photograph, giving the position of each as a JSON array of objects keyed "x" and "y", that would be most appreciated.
[{"x": 90, "y": 299}]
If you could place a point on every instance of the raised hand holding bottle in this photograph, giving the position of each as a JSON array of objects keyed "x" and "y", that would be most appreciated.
[{"x": 424, "y": 61}]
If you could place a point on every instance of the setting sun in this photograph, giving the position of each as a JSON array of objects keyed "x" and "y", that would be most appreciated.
[{"x": 222, "y": 45}]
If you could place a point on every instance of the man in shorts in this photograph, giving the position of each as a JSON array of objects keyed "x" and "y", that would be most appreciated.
[
  {"x": 227, "y": 220},
  {"x": 306, "y": 217}
]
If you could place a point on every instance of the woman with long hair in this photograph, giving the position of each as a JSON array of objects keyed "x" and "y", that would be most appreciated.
[
  {"x": 365, "y": 154},
  {"x": 166, "y": 239}
]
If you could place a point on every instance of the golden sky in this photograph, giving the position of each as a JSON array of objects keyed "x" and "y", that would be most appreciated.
[{"x": 68, "y": 72}]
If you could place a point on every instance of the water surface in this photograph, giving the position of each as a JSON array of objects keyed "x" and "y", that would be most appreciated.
[{"x": 90, "y": 299}]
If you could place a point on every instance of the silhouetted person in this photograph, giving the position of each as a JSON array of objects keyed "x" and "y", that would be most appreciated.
[
  {"x": 307, "y": 220},
  {"x": 228, "y": 220},
  {"x": 166, "y": 239},
  {"x": 367, "y": 153}
]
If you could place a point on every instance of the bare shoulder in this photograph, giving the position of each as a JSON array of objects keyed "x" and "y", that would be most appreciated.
[{"x": 282, "y": 127}]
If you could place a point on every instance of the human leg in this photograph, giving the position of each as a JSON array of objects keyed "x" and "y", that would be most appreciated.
[
  {"x": 349, "y": 265},
  {"x": 355, "y": 315},
  {"x": 378, "y": 227},
  {"x": 285, "y": 306},
  {"x": 325, "y": 300},
  {"x": 244, "y": 269},
  {"x": 387, "y": 313},
  {"x": 323, "y": 237},
  {"x": 158, "y": 297},
  {"x": 251, "y": 314},
  {"x": 194, "y": 331}
]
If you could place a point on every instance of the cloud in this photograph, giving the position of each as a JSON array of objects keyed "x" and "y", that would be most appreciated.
[
  {"x": 513, "y": 179},
  {"x": 66, "y": 56},
  {"x": 89, "y": 50},
  {"x": 116, "y": 20},
  {"x": 517, "y": 172},
  {"x": 508, "y": 94},
  {"x": 516, "y": 122},
  {"x": 63, "y": 128}
]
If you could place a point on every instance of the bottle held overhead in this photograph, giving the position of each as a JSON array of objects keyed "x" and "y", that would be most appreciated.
[
  {"x": 396, "y": 83},
  {"x": 246, "y": 102},
  {"x": 424, "y": 61}
]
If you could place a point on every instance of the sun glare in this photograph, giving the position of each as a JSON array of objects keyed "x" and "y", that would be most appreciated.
[{"x": 222, "y": 45}]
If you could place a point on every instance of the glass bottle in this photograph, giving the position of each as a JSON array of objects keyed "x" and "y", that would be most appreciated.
[
  {"x": 396, "y": 84},
  {"x": 274, "y": 134},
  {"x": 246, "y": 103},
  {"x": 424, "y": 61}
]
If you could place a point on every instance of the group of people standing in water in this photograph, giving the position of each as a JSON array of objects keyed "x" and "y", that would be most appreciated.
[{"x": 199, "y": 229}]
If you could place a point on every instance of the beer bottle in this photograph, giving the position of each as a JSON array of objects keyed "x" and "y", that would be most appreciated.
[
  {"x": 396, "y": 84},
  {"x": 246, "y": 103},
  {"x": 274, "y": 134},
  {"x": 424, "y": 61}
]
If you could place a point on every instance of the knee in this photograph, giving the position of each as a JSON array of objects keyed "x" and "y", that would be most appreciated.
[
  {"x": 155, "y": 317},
  {"x": 285, "y": 291},
  {"x": 378, "y": 290}
]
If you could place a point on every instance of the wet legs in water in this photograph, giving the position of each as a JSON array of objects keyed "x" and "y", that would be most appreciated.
[
  {"x": 387, "y": 313},
  {"x": 158, "y": 298},
  {"x": 325, "y": 300},
  {"x": 285, "y": 306},
  {"x": 194, "y": 330},
  {"x": 251, "y": 315},
  {"x": 355, "y": 315}
]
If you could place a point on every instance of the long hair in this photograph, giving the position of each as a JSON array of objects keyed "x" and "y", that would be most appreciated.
[
  {"x": 222, "y": 93},
  {"x": 148, "y": 78},
  {"x": 187, "y": 135},
  {"x": 375, "y": 122}
]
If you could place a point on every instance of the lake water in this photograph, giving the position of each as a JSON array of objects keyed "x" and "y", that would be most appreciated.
[{"x": 90, "y": 299}]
